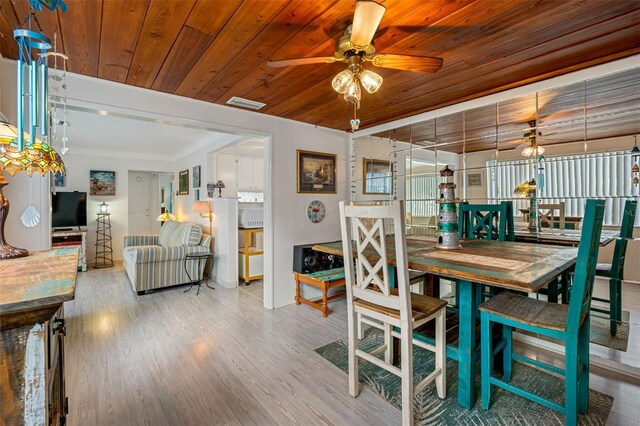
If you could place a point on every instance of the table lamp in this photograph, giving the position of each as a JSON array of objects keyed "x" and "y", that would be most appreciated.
[
  {"x": 204, "y": 209},
  {"x": 220, "y": 186},
  {"x": 36, "y": 156},
  {"x": 165, "y": 217}
]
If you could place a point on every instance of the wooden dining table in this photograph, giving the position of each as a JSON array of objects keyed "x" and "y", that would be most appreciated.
[
  {"x": 524, "y": 267},
  {"x": 563, "y": 237}
]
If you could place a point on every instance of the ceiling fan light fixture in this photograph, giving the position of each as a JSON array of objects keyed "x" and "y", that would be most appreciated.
[
  {"x": 353, "y": 93},
  {"x": 370, "y": 80},
  {"x": 533, "y": 150},
  {"x": 342, "y": 81}
]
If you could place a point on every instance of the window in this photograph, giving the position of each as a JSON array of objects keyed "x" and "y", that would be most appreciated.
[
  {"x": 421, "y": 194},
  {"x": 570, "y": 179}
]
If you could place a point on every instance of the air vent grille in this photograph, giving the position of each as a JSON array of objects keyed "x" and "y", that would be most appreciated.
[{"x": 245, "y": 103}]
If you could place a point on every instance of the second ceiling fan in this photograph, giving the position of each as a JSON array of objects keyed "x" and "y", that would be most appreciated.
[{"x": 355, "y": 47}]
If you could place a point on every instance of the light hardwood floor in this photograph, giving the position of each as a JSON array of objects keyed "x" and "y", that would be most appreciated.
[{"x": 170, "y": 358}]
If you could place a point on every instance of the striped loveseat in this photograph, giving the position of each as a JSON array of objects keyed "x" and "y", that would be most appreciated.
[{"x": 157, "y": 261}]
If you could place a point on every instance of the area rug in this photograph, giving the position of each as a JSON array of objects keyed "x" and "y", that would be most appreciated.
[
  {"x": 600, "y": 334},
  {"x": 506, "y": 408}
]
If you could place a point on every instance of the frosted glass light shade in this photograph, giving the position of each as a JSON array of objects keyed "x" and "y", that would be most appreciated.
[
  {"x": 342, "y": 80},
  {"x": 370, "y": 81},
  {"x": 353, "y": 93},
  {"x": 533, "y": 150}
]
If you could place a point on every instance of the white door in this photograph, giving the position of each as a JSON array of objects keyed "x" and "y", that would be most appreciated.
[{"x": 139, "y": 185}]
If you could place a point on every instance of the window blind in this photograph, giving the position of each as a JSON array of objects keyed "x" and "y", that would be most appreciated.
[{"x": 570, "y": 179}]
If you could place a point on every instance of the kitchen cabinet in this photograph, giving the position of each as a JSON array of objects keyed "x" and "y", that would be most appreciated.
[{"x": 240, "y": 173}]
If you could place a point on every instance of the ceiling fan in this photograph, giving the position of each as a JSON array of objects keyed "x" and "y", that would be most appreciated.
[{"x": 355, "y": 47}]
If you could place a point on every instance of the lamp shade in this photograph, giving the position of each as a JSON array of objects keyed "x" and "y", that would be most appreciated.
[
  {"x": 341, "y": 81},
  {"x": 36, "y": 157},
  {"x": 201, "y": 207},
  {"x": 370, "y": 80},
  {"x": 165, "y": 217}
]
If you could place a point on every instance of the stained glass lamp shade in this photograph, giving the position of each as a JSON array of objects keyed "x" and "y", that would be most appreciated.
[{"x": 36, "y": 157}]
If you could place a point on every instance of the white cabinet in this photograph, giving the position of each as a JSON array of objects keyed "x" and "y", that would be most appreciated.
[{"x": 240, "y": 173}]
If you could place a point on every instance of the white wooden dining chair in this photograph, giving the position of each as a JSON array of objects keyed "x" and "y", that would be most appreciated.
[
  {"x": 548, "y": 217},
  {"x": 370, "y": 293}
]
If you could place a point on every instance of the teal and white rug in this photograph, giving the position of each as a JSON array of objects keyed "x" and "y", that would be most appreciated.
[{"x": 506, "y": 408}]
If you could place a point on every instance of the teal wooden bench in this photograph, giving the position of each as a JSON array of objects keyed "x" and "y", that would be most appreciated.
[{"x": 324, "y": 280}]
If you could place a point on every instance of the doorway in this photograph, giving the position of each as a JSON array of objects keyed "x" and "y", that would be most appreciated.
[{"x": 149, "y": 195}]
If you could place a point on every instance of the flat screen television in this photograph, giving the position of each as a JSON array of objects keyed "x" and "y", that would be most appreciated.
[{"x": 69, "y": 209}]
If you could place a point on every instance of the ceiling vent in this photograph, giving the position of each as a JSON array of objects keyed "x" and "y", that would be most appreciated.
[{"x": 245, "y": 103}]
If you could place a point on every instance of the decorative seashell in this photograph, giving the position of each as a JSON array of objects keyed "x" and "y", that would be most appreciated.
[{"x": 30, "y": 217}]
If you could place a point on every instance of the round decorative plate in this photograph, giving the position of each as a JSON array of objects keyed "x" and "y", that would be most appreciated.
[{"x": 316, "y": 211}]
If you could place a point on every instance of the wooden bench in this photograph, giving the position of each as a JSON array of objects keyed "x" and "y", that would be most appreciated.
[{"x": 324, "y": 280}]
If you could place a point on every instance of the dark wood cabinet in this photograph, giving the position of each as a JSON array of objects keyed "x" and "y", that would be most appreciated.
[{"x": 32, "y": 334}]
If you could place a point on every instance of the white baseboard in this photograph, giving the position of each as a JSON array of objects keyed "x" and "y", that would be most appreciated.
[{"x": 225, "y": 283}]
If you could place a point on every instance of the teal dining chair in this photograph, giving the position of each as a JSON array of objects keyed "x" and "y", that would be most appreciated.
[
  {"x": 486, "y": 221},
  {"x": 568, "y": 324},
  {"x": 615, "y": 270}
]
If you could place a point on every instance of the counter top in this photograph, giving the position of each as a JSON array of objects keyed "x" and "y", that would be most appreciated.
[{"x": 41, "y": 280}]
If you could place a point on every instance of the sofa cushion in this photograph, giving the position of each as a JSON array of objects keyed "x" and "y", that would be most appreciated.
[
  {"x": 165, "y": 232},
  {"x": 186, "y": 234}
]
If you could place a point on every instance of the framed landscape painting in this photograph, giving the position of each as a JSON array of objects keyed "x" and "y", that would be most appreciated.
[
  {"x": 102, "y": 182},
  {"x": 316, "y": 172},
  {"x": 183, "y": 182}
]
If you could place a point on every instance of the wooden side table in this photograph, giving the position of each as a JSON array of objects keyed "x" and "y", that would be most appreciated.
[{"x": 324, "y": 280}]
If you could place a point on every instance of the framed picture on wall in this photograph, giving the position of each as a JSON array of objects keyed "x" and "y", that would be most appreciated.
[
  {"x": 59, "y": 180},
  {"x": 183, "y": 182},
  {"x": 196, "y": 177},
  {"x": 102, "y": 182},
  {"x": 474, "y": 179},
  {"x": 316, "y": 172},
  {"x": 196, "y": 194},
  {"x": 377, "y": 176}
]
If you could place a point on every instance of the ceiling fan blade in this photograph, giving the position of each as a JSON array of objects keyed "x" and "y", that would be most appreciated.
[
  {"x": 424, "y": 64},
  {"x": 366, "y": 19},
  {"x": 304, "y": 61}
]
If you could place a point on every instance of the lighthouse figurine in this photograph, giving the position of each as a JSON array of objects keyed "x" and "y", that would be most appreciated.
[{"x": 448, "y": 237}]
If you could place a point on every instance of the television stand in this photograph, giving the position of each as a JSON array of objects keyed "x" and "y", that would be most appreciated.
[{"x": 70, "y": 238}]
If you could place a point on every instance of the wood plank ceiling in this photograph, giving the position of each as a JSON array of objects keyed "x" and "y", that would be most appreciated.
[
  {"x": 595, "y": 109},
  {"x": 213, "y": 50}
]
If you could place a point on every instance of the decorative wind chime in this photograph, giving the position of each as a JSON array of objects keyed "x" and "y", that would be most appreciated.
[
  {"x": 58, "y": 96},
  {"x": 32, "y": 84}
]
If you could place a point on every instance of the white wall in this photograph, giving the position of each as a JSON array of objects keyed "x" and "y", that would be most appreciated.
[
  {"x": 78, "y": 167},
  {"x": 288, "y": 210}
]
